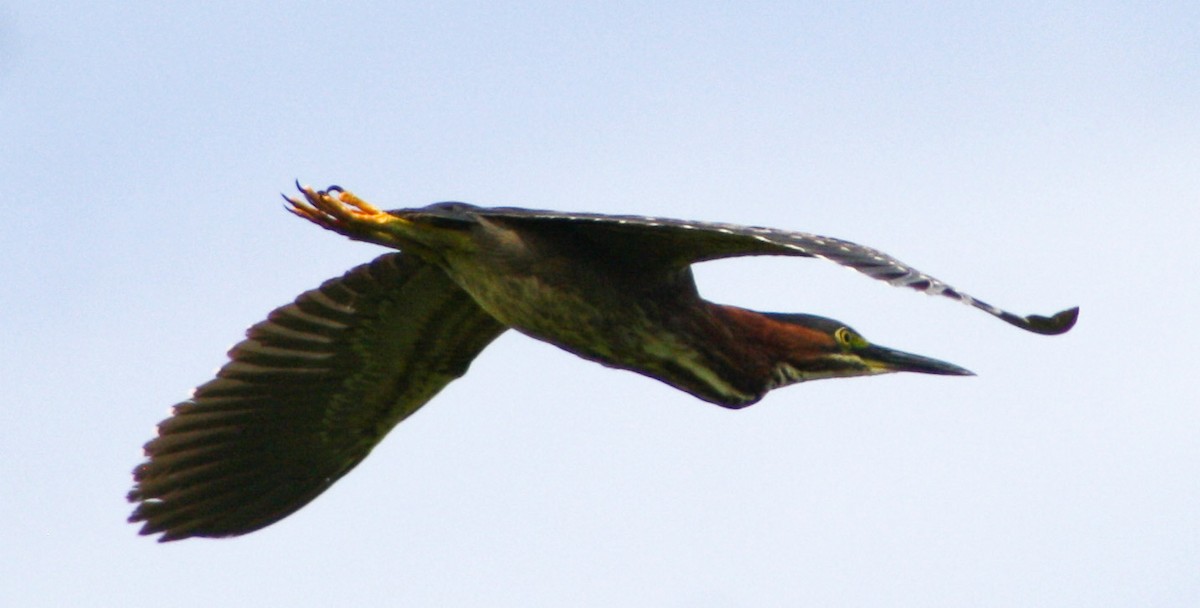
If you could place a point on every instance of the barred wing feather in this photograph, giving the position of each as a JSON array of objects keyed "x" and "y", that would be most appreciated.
[
  {"x": 682, "y": 242},
  {"x": 306, "y": 397}
]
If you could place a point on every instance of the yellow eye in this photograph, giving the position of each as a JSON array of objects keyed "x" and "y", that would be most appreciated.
[
  {"x": 848, "y": 338},
  {"x": 843, "y": 336}
]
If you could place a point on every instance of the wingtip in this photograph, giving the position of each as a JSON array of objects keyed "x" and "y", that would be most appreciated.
[{"x": 1060, "y": 323}]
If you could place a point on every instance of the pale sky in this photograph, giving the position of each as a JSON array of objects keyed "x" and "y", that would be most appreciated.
[{"x": 1036, "y": 155}]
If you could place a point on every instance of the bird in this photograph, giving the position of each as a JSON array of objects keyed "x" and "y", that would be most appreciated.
[{"x": 316, "y": 386}]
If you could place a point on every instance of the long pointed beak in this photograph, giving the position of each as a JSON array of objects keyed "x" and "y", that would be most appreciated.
[{"x": 899, "y": 361}]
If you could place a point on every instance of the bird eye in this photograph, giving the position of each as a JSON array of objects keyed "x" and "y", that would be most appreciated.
[
  {"x": 844, "y": 336},
  {"x": 848, "y": 339}
]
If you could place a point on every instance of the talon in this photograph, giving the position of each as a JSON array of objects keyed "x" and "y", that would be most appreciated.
[{"x": 338, "y": 210}]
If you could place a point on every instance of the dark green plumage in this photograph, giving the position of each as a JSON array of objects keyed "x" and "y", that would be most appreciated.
[{"x": 317, "y": 385}]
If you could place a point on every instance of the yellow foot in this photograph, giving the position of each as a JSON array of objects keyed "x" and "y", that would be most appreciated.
[{"x": 340, "y": 211}]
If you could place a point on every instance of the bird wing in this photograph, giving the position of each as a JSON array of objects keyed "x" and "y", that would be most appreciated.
[
  {"x": 306, "y": 397},
  {"x": 679, "y": 243}
]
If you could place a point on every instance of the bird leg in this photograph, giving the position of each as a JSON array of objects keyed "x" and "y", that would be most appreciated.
[{"x": 342, "y": 212}]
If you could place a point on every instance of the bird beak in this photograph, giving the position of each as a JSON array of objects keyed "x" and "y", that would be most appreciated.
[{"x": 885, "y": 359}]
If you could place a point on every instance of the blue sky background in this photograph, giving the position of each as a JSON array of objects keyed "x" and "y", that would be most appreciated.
[{"x": 1037, "y": 155}]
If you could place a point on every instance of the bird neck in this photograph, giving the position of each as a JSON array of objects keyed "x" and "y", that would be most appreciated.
[{"x": 760, "y": 346}]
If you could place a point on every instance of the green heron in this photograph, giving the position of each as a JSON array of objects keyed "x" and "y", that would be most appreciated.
[{"x": 314, "y": 387}]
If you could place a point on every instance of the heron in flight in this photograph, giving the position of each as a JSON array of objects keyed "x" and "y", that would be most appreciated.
[{"x": 318, "y": 384}]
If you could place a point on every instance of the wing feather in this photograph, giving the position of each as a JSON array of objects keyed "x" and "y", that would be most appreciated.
[
  {"x": 679, "y": 242},
  {"x": 306, "y": 397}
]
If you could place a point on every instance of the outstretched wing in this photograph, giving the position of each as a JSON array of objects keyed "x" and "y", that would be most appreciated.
[
  {"x": 681, "y": 242},
  {"x": 306, "y": 397}
]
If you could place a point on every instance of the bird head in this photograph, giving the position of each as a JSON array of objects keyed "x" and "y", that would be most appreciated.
[{"x": 814, "y": 347}]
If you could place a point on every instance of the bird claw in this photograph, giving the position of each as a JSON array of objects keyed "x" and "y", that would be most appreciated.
[{"x": 337, "y": 210}]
